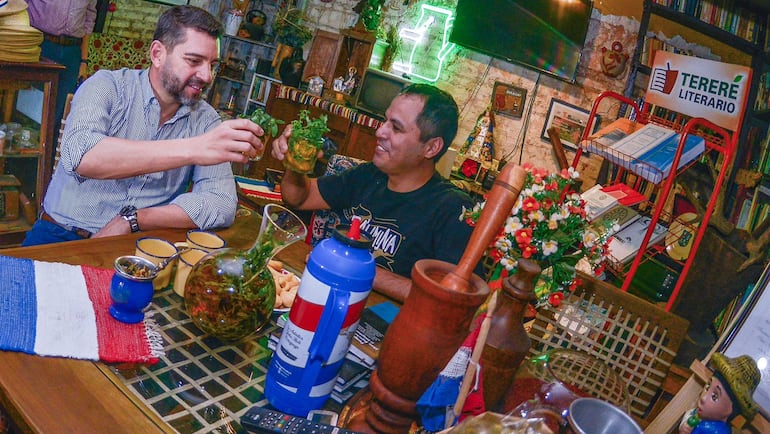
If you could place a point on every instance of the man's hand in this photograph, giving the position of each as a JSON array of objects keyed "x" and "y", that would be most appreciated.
[
  {"x": 117, "y": 226},
  {"x": 281, "y": 144},
  {"x": 234, "y": 140}
]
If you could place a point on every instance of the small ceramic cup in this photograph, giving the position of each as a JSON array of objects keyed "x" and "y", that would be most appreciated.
[
  {"x": 156, "y": 250},
  {"x": 187, "y": 260},
  {"x": 200, "y": 239}
]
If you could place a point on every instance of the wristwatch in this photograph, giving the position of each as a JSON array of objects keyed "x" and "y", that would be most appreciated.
[{"x": 128, "y": 213}]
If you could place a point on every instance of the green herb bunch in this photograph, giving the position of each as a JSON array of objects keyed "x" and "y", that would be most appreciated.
[
  {"x": 309, "y": 129},
  {"x": 268, "y": 123}
]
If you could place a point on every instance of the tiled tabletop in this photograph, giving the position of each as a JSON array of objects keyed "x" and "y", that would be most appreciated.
[{"x": 201, "y": 384}]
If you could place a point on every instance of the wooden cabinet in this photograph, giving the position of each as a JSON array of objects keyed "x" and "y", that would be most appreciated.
[
  {"x": 27, "y": 98},
  {"x": 243, "y": 62},
  {"x": 332, "y": 54},
  {"x": 353, "y": 132},
  {"x": 322, "y": 59}
]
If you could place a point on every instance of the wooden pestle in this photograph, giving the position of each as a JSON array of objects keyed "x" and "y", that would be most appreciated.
[{"x": 500, "y": 200}]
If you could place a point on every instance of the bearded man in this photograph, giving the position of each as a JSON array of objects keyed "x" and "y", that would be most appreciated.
[{"x": 142, "y": 151}]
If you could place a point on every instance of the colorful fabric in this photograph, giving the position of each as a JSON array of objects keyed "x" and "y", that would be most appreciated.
[{"x": 61, "y": 310}]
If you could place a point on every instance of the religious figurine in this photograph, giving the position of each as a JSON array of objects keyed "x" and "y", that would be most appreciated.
[
  {"x": 728, "y": 394},
  {"x": 350, "y": 82}
]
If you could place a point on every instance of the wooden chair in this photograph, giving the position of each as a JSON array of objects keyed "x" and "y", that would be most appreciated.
[
  {"x": 65, "y": 113},
  {"x": 631, "y": 335}
]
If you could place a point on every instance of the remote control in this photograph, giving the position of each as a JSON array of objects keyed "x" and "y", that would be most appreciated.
[{"x": 265, "y": 421}]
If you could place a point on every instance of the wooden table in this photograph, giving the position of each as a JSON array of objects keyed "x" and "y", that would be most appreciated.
[{"x": 46, "y": 394}]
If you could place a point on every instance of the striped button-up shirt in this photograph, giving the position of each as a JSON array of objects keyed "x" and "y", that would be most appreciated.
[{"x": 122, "y": 104}]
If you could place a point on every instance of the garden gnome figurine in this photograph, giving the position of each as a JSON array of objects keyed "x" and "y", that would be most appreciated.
[{"x": 728, "y": 394}]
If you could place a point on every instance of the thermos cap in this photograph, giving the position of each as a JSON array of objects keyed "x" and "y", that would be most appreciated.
[{"x": 341, "y": 235}]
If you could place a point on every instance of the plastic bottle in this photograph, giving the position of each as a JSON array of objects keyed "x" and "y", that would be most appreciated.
[{"x": 333, "y": 292}]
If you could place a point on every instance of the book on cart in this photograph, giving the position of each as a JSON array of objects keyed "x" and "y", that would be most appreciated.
[
  {"x": 597, "y": 201},
  {"x": 615, "y": 220},
  {"x": 648, "y": 151},
  {"x": 624, "y": 194},
  {"x": 624, "y": 244},
  {"x": 655, "y": 164},
  {"x": 614, "y": 132}
]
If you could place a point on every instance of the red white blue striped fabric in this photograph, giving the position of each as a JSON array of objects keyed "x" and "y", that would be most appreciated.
[{"x": 55, "y": 309}]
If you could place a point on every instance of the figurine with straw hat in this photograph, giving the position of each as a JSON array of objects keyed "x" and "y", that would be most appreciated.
[{"x": 729, "y": 394}]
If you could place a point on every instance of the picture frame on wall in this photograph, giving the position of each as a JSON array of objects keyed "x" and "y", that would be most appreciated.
[
  {"x": 508, "y": 100},
  {"x": 570, "y": 120}
]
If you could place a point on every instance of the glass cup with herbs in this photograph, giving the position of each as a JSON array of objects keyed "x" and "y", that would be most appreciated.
[
  {"x": 268, "y": 124},
  {"x": 305, "y": 142}
]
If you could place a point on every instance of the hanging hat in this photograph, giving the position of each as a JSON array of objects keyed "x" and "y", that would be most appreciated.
[{"x": 742, "y": 377}]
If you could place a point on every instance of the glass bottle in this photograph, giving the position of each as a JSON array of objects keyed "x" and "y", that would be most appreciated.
[
  {"x": 230, "y": 293},
  {"x": 507, "y": 342}
]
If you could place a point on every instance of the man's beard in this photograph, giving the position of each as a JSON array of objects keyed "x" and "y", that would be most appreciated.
[{"x": 176, "y": 88}]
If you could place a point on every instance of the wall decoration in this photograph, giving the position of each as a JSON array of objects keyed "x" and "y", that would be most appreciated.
[
  {"x": 613, "y": 61},
  {"x": 569, "y": 119},
  {"x": 508, "y": 100}
]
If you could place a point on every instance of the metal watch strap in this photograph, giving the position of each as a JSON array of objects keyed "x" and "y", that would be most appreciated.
[{"x": 129, "y": 214}]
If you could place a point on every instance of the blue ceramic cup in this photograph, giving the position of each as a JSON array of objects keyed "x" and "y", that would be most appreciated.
[{"x": 131, "y": 288}]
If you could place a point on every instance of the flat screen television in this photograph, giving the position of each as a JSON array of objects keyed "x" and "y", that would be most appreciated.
[
  {"x": 544, "y": 35},
  {"x": 376, "y": 90}
]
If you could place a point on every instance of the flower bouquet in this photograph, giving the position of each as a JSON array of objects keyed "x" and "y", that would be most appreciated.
[{"x": 548, "y": 223}]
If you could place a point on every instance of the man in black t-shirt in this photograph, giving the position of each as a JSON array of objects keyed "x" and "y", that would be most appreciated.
[{"x": 406, "y": 207}]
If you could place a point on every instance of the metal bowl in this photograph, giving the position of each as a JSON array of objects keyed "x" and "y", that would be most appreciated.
[
  {"x": 594, "y": 416},
  {"x": 126, "y": 266}
]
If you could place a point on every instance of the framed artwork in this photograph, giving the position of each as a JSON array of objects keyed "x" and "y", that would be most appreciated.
[
  {"x": 508, "y": 100},
  {"x": 569, "y": 119}
]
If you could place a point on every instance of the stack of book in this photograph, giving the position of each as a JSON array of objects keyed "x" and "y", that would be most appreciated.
[
  {"x": 361, "y": 357},
  {"x": 597, "y": 201},
  {"x": 625, "y": 243},
  {"x": 647, "y": 151}
]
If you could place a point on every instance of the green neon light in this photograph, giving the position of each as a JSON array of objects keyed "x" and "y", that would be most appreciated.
[{"x": 419, "y": 35}]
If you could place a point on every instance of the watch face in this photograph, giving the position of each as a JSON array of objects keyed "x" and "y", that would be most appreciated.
[{"x": 128, "y": 210}]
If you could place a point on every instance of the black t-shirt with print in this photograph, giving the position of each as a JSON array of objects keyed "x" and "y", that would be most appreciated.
[{"x": 405, "y": 227}]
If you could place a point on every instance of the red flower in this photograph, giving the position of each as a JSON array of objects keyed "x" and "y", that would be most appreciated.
[
  {"x": 524, "y": 237},
  {"x": 530, "y": 204},
  {"x": 528, "y": 251},
  {"x": 555, "y": 299},
  {"x": 112, "y": 7}
]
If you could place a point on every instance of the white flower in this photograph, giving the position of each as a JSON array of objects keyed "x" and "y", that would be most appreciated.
[
  {"x": 508, "y": 263},
  {"x": 537, "y": 216},
  {"x": 512, "y": 224},
  {"x": 549, "y": 247},
  {"x": 589, "y": 238}
]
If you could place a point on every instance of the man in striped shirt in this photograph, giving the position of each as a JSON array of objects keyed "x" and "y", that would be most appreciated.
[{"x": 142, "y": 151}]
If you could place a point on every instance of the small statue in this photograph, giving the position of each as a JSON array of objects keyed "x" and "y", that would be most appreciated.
[
  {"x": 728, "y": 394},
  {"x": 350, "y": 82}
]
